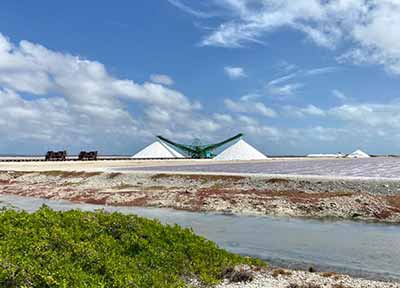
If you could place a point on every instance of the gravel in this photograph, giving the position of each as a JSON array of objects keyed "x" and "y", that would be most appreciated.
[
  {"x": 358, "y": 199},
  {"x": 281, "y": 278}
]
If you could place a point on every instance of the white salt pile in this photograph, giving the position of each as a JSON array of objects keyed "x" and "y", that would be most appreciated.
[
  {"x": 337, "y": 155},
  {"x": 241, "y": 150},
  {"x": 157, "y": 150},
  {"x": 358, "y": 154}
]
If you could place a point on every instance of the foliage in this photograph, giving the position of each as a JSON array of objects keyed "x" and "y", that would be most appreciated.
[{"x": 99, "y": 249}]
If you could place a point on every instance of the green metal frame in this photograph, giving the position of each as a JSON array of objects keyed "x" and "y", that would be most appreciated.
[{"x": 200, "y": 151}]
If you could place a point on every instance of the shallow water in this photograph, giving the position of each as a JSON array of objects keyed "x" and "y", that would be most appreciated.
[
  {"x": 370, "y": 167},
  {"x": 359, "y": 249}
]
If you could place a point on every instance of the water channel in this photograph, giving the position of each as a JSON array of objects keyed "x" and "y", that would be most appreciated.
[{"x": 360, "y": 249}]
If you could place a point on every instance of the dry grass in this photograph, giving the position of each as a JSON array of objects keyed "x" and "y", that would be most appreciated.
[
  {"x": 306, "y": 285},
  {"x": 293, "y": 196},
  {"x": 154, "y": 188},
  {"x": 68, "y": 184},
  {"x": 277, "y": 181},
  {"x": 70, "y": 174},
  {"x": 280, "y": 272},
  {"x": 237, "y": 275},
  {"x": 217, "y": 186},
  {"x": 113, "y": 175},
  {"x": 15, "y": 174},
  {"x": 201, "y": 178},
  {"x": 123, "y": 186},
  {"x": 328, "y": 274}
]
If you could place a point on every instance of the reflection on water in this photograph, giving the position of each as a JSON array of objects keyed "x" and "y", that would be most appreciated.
[{"x": 369, "y": 250}]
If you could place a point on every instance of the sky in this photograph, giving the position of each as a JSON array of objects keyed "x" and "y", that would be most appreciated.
[{"x": 296, "y": 77}]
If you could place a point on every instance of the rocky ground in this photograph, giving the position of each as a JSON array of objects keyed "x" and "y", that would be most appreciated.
[
  {"x": 316, "y": 197},
  {"x": 377, "y": 200},
  {"x": 282, "y": 278}
]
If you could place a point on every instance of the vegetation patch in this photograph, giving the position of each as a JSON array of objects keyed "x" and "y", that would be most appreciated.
[
  {"x": 90, "y": 200},
  {"x": 14, "y": 174},
  {"x": 198, "y": 177},
  {"x": 154, "y": 188},
  {"x": 68, "y": 183},
  {"x": 98, "y": 249},
  {"x": 113, "y": 175},
  {"x": 304, "y": 285},
  {"x": 277, "y": 181},
  {"x": 281, "y": 272},
  {"x": 70, "y": 174},
  {"x": 122, "y": 186}
]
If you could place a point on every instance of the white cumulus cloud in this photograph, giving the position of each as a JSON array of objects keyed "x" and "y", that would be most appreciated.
[
  {"x": 234, "y": 72},
  {"x": 369, "y": 27},
  {"x": 161, "y": 79},
  {"x": 75, "y": 100},
  {"x": 244, "y": 105}
]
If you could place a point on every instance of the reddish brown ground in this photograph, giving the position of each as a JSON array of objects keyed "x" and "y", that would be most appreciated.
[{"x": 232, "y": 194}]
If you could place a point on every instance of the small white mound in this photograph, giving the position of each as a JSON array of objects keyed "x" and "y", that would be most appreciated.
[
  {"x": 358, "y": 154},
  {"x": 241, "y": 150},
  {"x": 337, "y": 155},
  {"x": 157, "y": 150}
]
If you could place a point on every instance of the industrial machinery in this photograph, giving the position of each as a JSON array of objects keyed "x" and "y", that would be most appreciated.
[
  {"x": 198, "y": 151},
  {"x": 83, "y": 155},
  {"x": 56, "y": 156}
]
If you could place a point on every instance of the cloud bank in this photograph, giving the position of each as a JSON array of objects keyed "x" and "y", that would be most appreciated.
[
  {"x": 368, "y": 29},
  {"x": 54, "y": 100}
]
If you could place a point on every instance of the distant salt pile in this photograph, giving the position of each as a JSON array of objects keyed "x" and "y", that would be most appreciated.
[
  {"x": 358, "y": 154},
  {"x": 337, "y": 155},
  {"x": 241, "y": 150},
  {"x": 157, "y": 150}
]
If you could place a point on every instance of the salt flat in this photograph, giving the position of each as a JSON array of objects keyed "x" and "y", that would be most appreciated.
[
  {"x": 379, "y": 167},
  {"x": 372, "y": 167}
]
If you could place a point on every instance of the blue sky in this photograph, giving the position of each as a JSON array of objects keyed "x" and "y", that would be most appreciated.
[{"x": 306, "y": 77}]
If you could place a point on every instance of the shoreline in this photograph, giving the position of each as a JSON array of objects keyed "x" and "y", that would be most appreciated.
[
  {"x": 286, "y": 278},
  {"x": 316, "y": 276},
  {"x": 291, "y": 196},
  {"x": 313, "y": 197}
]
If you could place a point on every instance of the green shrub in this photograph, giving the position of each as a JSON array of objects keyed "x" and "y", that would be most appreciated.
[{"x": 99, "y": 249}]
